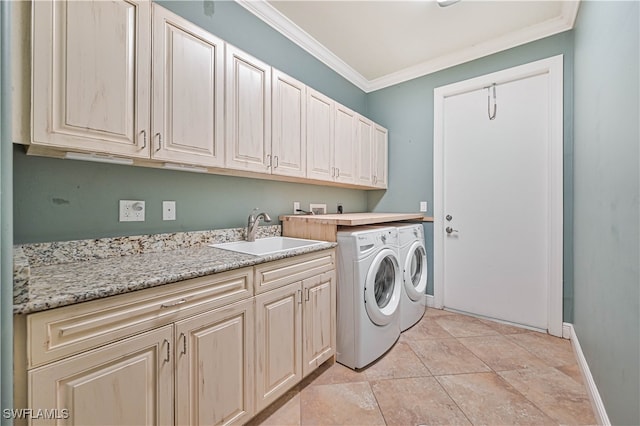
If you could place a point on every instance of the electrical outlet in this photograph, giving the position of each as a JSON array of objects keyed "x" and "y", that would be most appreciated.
[
  {"x": 423, "y": 206},
  {"x": 131, "y": 211},
  {"x": 296, "y": 207},
  {"x": 168, "y": 210}
]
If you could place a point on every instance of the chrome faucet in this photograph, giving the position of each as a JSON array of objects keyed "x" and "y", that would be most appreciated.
[{"x": 252, "y": 223}]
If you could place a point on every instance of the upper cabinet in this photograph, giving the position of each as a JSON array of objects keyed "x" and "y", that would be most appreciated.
[
  {"x": 344, "y": 159},
  {"x": 288, "y": 128},
  {"x": 364, "y": 151},
  {"x": 91, "y": 76},
  {"x": 380, "y": 157},
  {"x": 248, "y": 109},
  {"x": 320, "y": 137},
  {"x": 188, "y": 92}
]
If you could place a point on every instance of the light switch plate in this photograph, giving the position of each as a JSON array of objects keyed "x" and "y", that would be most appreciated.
[
  {"x": 296, "y": 207},
  {"x": 131, "y": 211},
  {"x": 168, "y": 210},
  {"x": 423, "y": 206}
]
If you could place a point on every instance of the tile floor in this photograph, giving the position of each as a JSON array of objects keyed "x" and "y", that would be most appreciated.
[{"x": 447, "y": 369}]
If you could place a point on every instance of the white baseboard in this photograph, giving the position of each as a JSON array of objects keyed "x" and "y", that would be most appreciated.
[
  {"x": 596, "y": 402},
  {"x": 429, "y": 301}
]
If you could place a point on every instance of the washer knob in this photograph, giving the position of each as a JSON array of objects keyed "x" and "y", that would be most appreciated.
[{"x": 383, "y": 238}]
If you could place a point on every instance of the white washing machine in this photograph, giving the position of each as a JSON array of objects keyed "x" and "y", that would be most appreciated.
[
  {"x": 413, "y": 260},
  {"x": 369, "y": 288}
]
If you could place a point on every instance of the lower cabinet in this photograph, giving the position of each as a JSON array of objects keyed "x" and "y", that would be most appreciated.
[
  {"x": 204, "y": 358},
  {"x": 214, "y": 366},
  {"x": 129, "y": 382}
]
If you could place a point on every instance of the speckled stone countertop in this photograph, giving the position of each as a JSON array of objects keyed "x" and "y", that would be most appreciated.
[{"x": 40, "y": 285}]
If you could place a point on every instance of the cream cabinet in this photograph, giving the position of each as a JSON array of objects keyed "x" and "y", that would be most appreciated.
[
  {"x": 344, "y": 151},
  {"x": 380, "y": 157},
  {"x": 129, "y": 382},
  {"x": 91, "y": 76},
  {"x": 248, "y": 112},
  {"x": 295, "y": 322},
  {"x": 365, "y": 151},
  {"x": 188, "y": 92},
  {"x": 289, "y": 121},
  {"x": 320, "y": 136},
  {"x": 214, "y": 366}
]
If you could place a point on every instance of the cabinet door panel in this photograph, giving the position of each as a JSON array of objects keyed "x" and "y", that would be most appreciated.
[
  {"x": 289, "y": 126},
  {"x": 380, "y": 137},
  {"x": 214, "y": 374},
  {"x": 91, "y": 75},
  {"x": 365, "y": 152},
  {"x": 278, "y": 344},
  {"x": 188, "y": 91},
  {"x": 319, "y": 320},
  {"x": 320, "y": 121},
  {"x": 129, "y": 382},
  {"x": 345, "y": 144},
  {"x": 248, "y": 112}
]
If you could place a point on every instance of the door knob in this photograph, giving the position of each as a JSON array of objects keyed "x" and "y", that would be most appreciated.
[
  {"x": 450, "y": 230},
  {"x": 448, "y": 217}
]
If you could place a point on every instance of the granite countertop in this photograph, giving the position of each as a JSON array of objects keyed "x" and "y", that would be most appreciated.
[{"x": 48, "y": 286}]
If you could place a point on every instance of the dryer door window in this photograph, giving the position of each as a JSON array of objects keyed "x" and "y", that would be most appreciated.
[
  {"x": 382, "y": 288},
  {"x": 415, "y": 272}
]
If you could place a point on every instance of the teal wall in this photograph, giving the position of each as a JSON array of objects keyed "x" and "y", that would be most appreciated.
[
  {"x": 607, "y": 200},
  {"x": 407, "y": 111},
  {"x": 65, "y": 200}
]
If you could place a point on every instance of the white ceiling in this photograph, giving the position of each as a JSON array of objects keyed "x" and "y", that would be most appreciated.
[{"x": 375, "y": 44}]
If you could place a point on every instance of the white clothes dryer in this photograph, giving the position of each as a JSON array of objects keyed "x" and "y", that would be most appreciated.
[
  {"x": 413, "y": 260},
  {"x": 369, "y": 287}
]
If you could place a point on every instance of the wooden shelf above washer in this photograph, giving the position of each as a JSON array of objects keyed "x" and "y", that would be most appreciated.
[{"x": 325, "y": 227}]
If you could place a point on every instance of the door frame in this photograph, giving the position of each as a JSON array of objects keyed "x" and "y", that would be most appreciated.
[{"x": 552, "y": 66}]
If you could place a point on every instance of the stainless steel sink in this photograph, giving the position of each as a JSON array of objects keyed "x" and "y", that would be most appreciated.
[{"x": 268, "y": 245}]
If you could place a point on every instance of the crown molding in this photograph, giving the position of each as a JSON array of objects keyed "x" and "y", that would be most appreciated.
[{"x": 272, "y": 17}]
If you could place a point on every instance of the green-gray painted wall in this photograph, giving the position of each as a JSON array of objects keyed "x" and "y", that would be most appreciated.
[
  {"x": 607, "y": 200},
  {"x": 65, "y": 200},
  {"x": 407, "y": 111}
]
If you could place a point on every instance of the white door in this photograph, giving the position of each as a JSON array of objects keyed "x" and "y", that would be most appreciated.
[{"x": 498, "y": 208}]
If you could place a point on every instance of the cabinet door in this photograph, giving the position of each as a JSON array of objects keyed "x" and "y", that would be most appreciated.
[
  {"x": 319, "y": 320},
  {"x": 380, "y": 164},
  {"x": 125, "y": 383},
  {"x": 320, "y": 121},
  {"x": 248, "y": 142},
  {"x": 288, "y": 144},
  {"x": 188, "y": 92},
  {"x": 278, "y": 342},
  {"x": 214, "y": 373},
  {"x": 91, "y": 76},
  {"x": 365, "y": 155},
  {"x": 345, "y": 145}
]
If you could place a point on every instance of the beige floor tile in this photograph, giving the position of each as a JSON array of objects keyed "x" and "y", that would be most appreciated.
[
  {"x": 400, "y": 361},
  {"x": 426, "y": 328},
  {"x": 503, "y": 328},
  {"x": 500, "y": 353},
  {"x": 485, "y": 398},
  {"x": 341, "y": 404},
  {"x": 447, "y": 356},
  {"x": 555, "y": 393},
  {"x": 464, "y": 326},
  {"x": 416, "y": 401},
  {"x": 284, "y": 412},
  {"x": 573, "y": 371},
  {"x": 433, "y": 312},
  {"x": 554, "y": 351},
  {"x": 333, "y": 373}
]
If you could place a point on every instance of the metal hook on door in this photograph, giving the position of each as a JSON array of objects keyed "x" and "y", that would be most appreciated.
[{"x": 495, "y": 105}]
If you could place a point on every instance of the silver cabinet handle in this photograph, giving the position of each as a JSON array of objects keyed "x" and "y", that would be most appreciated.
[
  {"x": 168, "y": 358},
  {"x": 268, "y": 160},
  {"x": 184, "y": 344},
  {"x": 337, "y": 172},
  {"x": 277, "y": 162},
  {"x": 299, "y": 297},
  {"x": 176, "y": 303},
  {"x": 306, "y": 297},
  {"x": 159, "y": 135},
  {"x": 333, "y": 172},
  {"x": 450, "y": 230},
  {"x": 144, "y": 139}
]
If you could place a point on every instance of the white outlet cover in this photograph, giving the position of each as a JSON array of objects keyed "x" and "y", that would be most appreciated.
[
  {"x": 131, "y": 211},
  {"x": 423, "y": 206},
  {"x": 168, "y": 210}
]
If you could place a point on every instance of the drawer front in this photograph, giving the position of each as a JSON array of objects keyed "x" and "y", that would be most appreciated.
[
  {"x": 282, "y": 272},
  {"x": 65, "y": 331}
]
